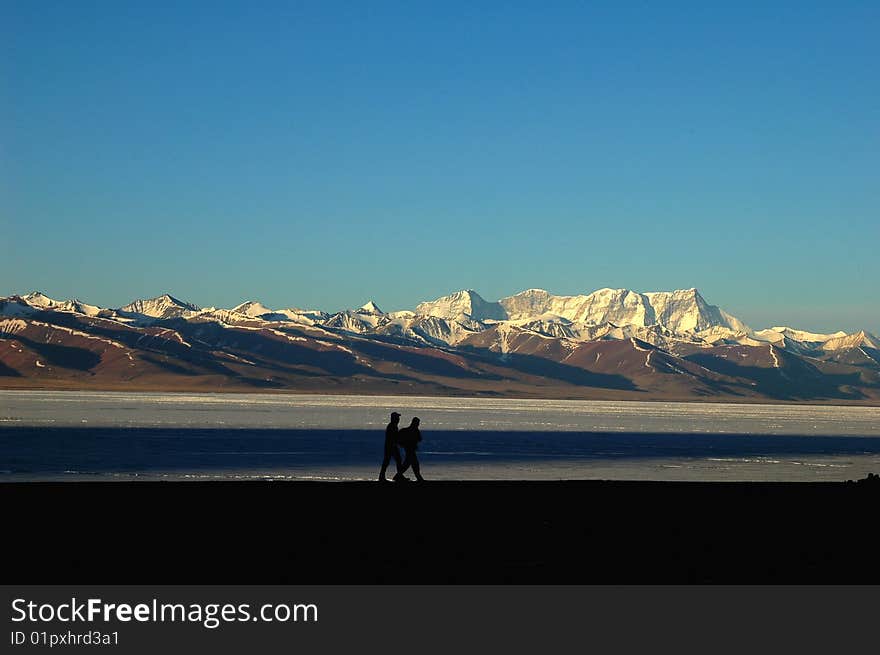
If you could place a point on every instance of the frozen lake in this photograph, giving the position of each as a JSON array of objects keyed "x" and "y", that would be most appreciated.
[{"x": 84, "y": 435}]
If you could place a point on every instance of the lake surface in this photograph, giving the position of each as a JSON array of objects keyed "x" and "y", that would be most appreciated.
[{"x": 118, "y": 435}]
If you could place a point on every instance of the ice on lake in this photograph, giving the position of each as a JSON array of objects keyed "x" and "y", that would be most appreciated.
[{"x": 118, "y": 435}]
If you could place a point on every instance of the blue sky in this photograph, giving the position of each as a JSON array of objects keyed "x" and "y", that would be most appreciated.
[{"x": 318, "y": 154}]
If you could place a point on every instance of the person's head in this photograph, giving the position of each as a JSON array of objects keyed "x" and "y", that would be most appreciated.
[
  {"x": 395, "y": 417},
  {"x": 415, "y": 422}
]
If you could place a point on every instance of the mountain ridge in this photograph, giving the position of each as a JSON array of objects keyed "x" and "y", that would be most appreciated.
[
  {"x": 613, "y": 307},
  {"x": 608, "y": 343}
]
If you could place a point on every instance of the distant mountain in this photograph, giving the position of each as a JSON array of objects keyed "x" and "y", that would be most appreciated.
[
  {"x": 164, "y": 306},
  {"x": 39, "y": 300},
  {"x": 676, "y": 310},
  {"x": 856, "y": 340},
  {"x": 465, "y": 305},
  {"x": 611, "y": 343},
  {"x": 778, "y": 333},
  {"x": 252, "y": 308}
]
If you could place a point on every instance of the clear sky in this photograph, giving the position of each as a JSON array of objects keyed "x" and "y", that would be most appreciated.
[{"x": 318, "y": 154}]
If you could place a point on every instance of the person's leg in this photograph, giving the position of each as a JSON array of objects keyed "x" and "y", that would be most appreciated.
[
  {"x": 411, "y": 461},
  {"x": 385, "y": 461},
  {"x": 399, "y": 476}
]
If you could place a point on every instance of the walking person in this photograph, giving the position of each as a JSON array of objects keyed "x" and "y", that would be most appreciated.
[
  {"x": 409, "y": 438},
  {"x": 391, "y": 449}
]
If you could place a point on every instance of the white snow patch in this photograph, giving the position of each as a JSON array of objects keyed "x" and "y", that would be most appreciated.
[
  {"x": 12, "y": 326},
  {"x": 79, "y": 333}
]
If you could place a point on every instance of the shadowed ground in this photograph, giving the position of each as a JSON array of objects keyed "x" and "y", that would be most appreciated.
[
  {"x": 467, "y": 532},
  {"x": 45, "y": 452}
]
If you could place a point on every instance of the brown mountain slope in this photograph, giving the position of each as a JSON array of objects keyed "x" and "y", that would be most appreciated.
[{"x": 50, "y": 349}]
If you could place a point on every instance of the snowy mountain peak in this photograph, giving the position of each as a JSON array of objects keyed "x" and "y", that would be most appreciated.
[
  {"x": 78, "y": 307},
  {"x": 855, "y": 340},
  {"x": 370, "y": 308},
  {"x": 252, "y": 308},
  {"x": 40, "y": 300},
  {"x": 802, "y": 335},
  {"x": 683, "y": 310},
  {"x": 168, "y": 299},
  {"x": 164, "y": 306},
  {"x": 618, "y": 306},
  {"x": 532, "y": 304},
  {"x": 462, "y": 305}
]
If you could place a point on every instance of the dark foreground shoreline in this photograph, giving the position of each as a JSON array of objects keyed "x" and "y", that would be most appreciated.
[{"x": 440, "y": 532}]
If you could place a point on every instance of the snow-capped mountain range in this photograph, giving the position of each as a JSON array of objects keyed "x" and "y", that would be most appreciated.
[
  {"x": 662, "y": 318},
  {"x": 679, "y": 311},
  {"x": 673, "y": 333}
]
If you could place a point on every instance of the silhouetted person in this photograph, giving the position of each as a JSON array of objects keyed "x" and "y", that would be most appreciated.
[
  {"x": 391, "y": 449},
  {"x": 409, "y": 438}
]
